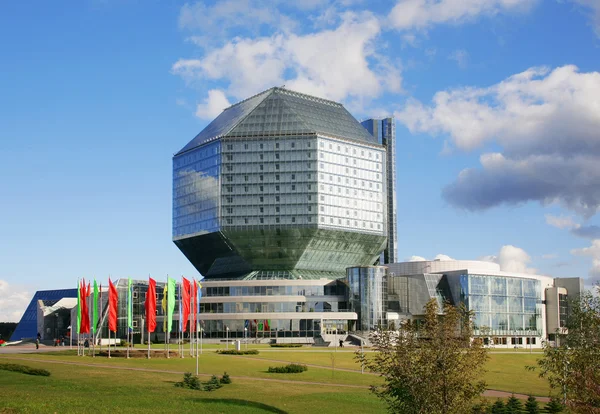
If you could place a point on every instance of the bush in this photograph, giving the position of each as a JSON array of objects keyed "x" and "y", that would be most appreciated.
[
  {"x": 24, "y": 369},
  {"x": 235, "y": 352},
  {"x": 189, "y": 381},
  {"x": 225, "y": 378},
  {"x": 212, "y": 384},
  {"x": 289, "y": 369},
  {"x": 286, "y": 345},
  {"x": 192, "y": 382}
]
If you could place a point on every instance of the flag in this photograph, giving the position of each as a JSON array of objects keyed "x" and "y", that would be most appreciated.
[
  {"x": 151, "y": 305},
  {"x": 113, "y": 300},
  {"x": 171, "y": 284},
  {"x": 163, "y": 305},
  {"x": 129, "y": 305},
  {"x": 267, "y": 325},
  {"x": 246, "y": 324},
  {"x": 194, "y": 304},
  {"x": 95, "y": 310},
  {"x": 185, "y": 301},
  {"x": 78, "y": 305},
  {"x": 84, "y": 326}
]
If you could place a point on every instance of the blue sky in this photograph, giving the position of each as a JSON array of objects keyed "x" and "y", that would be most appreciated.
[{"x": 497, "y": 103}]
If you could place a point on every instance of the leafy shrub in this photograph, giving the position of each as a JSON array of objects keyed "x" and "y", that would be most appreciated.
[
  {"x": 225, "y": 378},
  {"x": 235, "y": 352},
  {"x": 286, "y": 345},
  {"x": 289, "y": 369},
  {"x": 25, "y": 369}
]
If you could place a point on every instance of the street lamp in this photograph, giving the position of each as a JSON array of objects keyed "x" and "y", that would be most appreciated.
[
  {"x": 227, "y": 337},
  {"x": 245, "y": 337}
]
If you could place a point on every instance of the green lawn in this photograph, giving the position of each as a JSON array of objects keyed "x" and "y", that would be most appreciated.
[{"x": 86, "y": 384}]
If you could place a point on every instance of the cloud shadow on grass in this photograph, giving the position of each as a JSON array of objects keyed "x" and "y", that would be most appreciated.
[{"x": 243, "y": 403}]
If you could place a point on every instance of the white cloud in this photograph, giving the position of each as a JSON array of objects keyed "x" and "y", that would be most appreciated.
[
  {"x": 511, "y": 259},
  {"x": 592, "y": 251},
  {"x": 422, "y": 14},
  {"x": 339, "y": 64},
  {"x": 13, "y": 302},
  {"x": 561, "y": 222},
  {"x": 213, "y": 105},
  {"x": 442, "y": 257},
  {"x": 461, "y": 57},
  {"x": 546, "y": 122},
  {"x": 550, "y": 256},
  {"x": 591, "y": 7},
  {"x": 215, "y": 22}
]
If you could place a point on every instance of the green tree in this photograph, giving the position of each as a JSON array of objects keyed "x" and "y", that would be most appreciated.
[
  {"x": 554, "y": 406},
  {"x": 573, "y": 368},
  {"x": 433, "y": 366},
  {"x": 514, "y": 405},
  {"x": 498, "y": 407},
  {"x": 532, "y": 406}
]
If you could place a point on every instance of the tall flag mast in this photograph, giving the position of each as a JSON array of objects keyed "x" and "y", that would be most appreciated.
[
  {"x": 95, "y": 318},
  {"x": 129, "y": 315}
]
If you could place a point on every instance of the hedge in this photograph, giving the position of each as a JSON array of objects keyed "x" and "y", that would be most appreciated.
[
  {"x": 235, "y": 352},
  {"x": 25, "y": 369},
  {"x": 286, "y": 345},
  {"x": 289, "y": 369}
]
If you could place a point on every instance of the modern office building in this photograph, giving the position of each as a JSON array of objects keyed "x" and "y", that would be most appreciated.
[{"x": 510, "y": 309}]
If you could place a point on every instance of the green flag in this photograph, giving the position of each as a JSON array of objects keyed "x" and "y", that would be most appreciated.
[
  {"x": 95, "y": 310},
  {"x": 171, "y": 283},
  {"x": 78, "y": 307},
  {"x": 129, "y": 306}
]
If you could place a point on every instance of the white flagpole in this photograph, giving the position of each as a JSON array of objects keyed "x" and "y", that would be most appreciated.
[{"x": 109, "y": 342}]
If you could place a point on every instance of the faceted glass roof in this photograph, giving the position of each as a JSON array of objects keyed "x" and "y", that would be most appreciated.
[{"x": 279, "y": 111}]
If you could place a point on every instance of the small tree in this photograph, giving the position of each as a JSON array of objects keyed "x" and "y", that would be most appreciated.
[
  {"x": 498, "y": 407},
  {"x": 430, "y": 367},
  {"x": 513, "y": 405},
  {"x": 532, "y": 406},
  {"x": 554, "y": 406},
  {"x": 573, "y": 368}
]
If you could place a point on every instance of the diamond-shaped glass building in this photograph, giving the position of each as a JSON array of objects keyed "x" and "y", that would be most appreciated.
[{"x": 281, "y": 185}]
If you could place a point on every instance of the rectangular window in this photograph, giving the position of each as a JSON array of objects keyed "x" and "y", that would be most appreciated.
[
  {"x": 293, "y": 144},
  {"x": 276, "y": 219},
  {"x": 277, "y": 156},
  {"x": 246, "y": 188},
  {"x": 277, "y": 198},
  {"x": 245, "y": 221},
  {"x": 261, "y": 156},
  {"x": 245, "y": 146},
  {"x": 276, "y": 188},
  {"x": 262, "y": 199},
  {"x": 262, "y": 209},
  {"x": 277, "y": 209},
  {"x": 262, "y": 189},
  {"x": 261, "y": 177},
  {"x": 277, "y": 145},
  {"x": 293, "y": 187},
  {"x": 262, "y": 220},
  {"x": 261, "y": 146},
  {"x": 245, "y": 178},
  {"x": 293, "y": 219},
  {"x": 261, "y": 167},
  {"x": 276, "y": 166},
  {"x": 277, "y": 177},
  {"x": 293, "y": 176}
]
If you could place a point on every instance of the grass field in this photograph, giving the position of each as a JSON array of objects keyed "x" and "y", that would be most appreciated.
[{"x": 86, "y": 384}]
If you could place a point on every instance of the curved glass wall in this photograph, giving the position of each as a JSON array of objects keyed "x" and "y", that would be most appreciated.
[{"x": 367, "y": 296}]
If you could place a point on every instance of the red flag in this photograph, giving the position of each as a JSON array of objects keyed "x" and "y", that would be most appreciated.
[
  {"x": 185, "y": 301},
  {"x": 194, "y": 292},
  {"x": 267, "y": 327},
  {"x": 151, "y": 305},
  {"x": 84, "y": 327},
  {"x": 113, "y": 300}
]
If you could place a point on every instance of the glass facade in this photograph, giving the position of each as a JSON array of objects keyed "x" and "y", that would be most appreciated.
[
  {"x": 367, "y": 296},
  {"x": 196, "y": 191},
  {"x": 503, "y": 305},
  {"x": 384, "y": 131}
]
